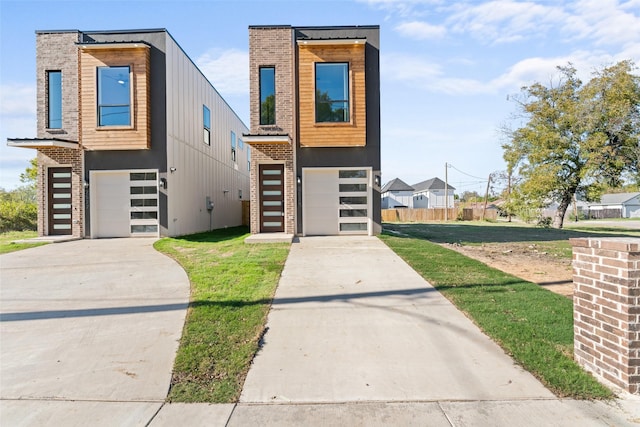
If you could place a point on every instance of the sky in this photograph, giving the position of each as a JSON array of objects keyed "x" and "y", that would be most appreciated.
[{"x": 449, "y": 69}]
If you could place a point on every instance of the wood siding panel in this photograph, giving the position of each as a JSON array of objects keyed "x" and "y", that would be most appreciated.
[
  {"x": 314, "y": 134},
  {"x": 136, "y": 137}
]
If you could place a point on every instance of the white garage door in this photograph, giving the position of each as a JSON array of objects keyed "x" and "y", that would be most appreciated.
[
  {"x": 124, "y": 203},
  {"x": 336, "y": 201}
]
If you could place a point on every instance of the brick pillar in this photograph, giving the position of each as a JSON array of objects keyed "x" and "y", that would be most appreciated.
[{"x": 606, "y": 309}]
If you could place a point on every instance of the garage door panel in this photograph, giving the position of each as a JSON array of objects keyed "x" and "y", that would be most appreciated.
[{"x": 124, "y": 203}]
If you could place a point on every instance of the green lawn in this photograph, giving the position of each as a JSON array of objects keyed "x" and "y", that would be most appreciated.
[
  {"x": 7, "y": 245},
  {"x": 550, "y": 240},
  {"x": 533, "y": 325},
  {"x": 232, "y": 286}
]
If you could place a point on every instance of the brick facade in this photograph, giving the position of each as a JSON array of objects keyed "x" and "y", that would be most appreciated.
[
  {"x": 606, "y": 276},
  {"x": 57, "y": 51},
  {"x": 58, "y": 157},
  {"x": 273, "y": 153},
  {"x": 273, "y": 46}
]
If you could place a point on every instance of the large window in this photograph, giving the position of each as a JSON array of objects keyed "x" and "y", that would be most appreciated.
[
  {"x": 267, "y": 95},
  {"x": 54, "y": 99},
  {"x": 206, "y": 120},
  {"x": 114, "y": 96},
  {"x": 332, "y": 92}
]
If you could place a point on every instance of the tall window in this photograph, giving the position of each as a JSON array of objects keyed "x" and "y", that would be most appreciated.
[
  {"x": 267, "y": 95},
  {"x": 332, "y": 92},
  {"x": 54, "y": 99},
  {"x": 206, "y": 122},
  {"x": 233, "y": 146},
  {"x": 114, "y": 96}
]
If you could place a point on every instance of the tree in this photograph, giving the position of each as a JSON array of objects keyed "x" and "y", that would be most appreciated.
[
  {"x": 576, "y": 138},
  {"x": 18, "y": 208}
]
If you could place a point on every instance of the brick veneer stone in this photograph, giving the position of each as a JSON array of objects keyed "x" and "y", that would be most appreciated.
[
  {"x": 606, "y": 309},
  {"x": 57, "y": 51},
  {"x": 273, "y": 46}
]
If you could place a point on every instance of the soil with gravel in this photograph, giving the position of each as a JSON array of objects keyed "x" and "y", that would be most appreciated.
[{"x": 523, "y": 261}]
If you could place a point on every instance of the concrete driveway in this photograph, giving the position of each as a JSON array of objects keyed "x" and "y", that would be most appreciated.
[{"x": 92, "y": 321}]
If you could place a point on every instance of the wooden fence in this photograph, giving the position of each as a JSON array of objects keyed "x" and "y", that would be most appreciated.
[{"x": 436, "y": 214}]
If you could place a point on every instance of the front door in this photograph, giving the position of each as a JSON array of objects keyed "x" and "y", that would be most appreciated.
[
  {"x": 271, "y": 198},
  {"x": 59, "y": 190}
]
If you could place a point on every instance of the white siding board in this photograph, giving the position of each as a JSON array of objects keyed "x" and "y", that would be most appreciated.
[{"x": 202, "y": 170}]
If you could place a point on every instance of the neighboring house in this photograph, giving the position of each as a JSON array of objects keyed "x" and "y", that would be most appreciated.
[
  {"x": 397, "y": 194},
  {"x": 315, "y": 130},
  {"x": 618, "y": 205},
  {"x": 132, "y": 139},
  {"x": 431, "y": 194}
]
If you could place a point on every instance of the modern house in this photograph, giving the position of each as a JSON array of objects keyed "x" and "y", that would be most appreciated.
[
  {"x": 432, "y": 194},
  {"x": 397, "y": 194},
  {"x": 616, "y": 205},
  {"x": 132, "y": 138},
  {"x": 315, "y": 130}
]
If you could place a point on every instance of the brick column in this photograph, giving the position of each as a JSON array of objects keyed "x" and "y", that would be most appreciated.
[{"x": 606, "y": 309}]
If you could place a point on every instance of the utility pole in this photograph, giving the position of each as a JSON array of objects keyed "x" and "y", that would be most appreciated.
[
  {"x": 486, "y": 197},
  {"x": 446, "y": 192}
]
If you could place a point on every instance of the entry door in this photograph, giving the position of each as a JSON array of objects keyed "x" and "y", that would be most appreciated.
[
  {"x": 59, "y": 183},
  {"x": 271, "y": 198}
]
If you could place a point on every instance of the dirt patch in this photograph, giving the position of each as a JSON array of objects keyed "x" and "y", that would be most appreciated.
[{"x": 525, "y": 261}]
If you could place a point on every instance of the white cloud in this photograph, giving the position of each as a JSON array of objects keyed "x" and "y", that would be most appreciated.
[
  {"x": 17, "y": 99},
  {"x": 504, "y": 21},
  {"x": 421, "y": 30},
  {"x": 606, "y": 22},
  {"x": 227, "y": 70},
  {"x": 432, "y": 77}
]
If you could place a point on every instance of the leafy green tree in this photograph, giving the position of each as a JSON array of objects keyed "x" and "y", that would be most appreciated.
[
  {"x": 18, "y": 207},
  {"x": 575, "y": 139}
]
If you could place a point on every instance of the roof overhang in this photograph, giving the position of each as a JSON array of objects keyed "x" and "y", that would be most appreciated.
[
  {"x": 266, "y": 139},
  {"x": 113, "y": 45},
  {"x": 329, "y": 42},
  {"x": 42, "y": 143}
]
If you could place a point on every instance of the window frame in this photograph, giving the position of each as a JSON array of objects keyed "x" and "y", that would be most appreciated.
[
  {"x": 206, "y": 124},
  {"x": 233, "y": 147},
  {"x": 100, "y": 105},
  {"x": 57, "y": 101},
  {"x": 261, "y": 85},
  {"x": 347, "y": 82}
]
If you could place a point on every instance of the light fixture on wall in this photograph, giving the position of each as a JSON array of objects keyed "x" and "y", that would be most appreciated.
[
  {"x": 86, "y": 185},
  {"x": 163, "y": 183},
  {"x": 377, "y": 180},
  {"x": 172, "y": 169},
  {"x": 299, "y": 180}
]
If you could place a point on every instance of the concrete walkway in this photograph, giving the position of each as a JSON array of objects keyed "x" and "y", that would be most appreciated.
[
  {"x": 355, "y": 338},
  {"x": 89, "y": 331}
]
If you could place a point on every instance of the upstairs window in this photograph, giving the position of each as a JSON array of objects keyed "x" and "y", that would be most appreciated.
[
  {"x": 206, "y": 123},
  {"x": 54, "y": 99},
  {"x": 332, "y": 92},
  {"x": 233, "y": 146},
  {"x": 267, "y": 95},
  {"x": 114, "y": 96}
]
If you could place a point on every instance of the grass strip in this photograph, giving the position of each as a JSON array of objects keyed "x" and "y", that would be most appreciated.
[
  {"x": 232, "y": 287},
  {"x": 7, "y": 239},
  {"x": 533, "y": 325}
]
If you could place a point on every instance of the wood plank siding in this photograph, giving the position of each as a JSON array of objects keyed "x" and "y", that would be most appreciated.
[
  {"x": 134, "y": 137},
  {"x": 349, "y": 134}
]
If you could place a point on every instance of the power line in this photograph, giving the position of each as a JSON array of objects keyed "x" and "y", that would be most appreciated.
[{"x": 464, "y": 173}]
